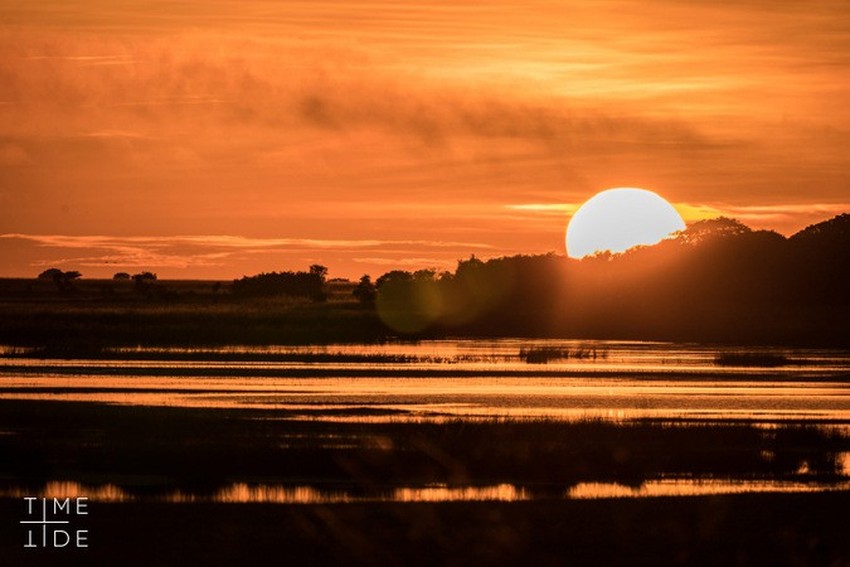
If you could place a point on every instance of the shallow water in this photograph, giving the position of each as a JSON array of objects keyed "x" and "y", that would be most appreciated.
[
  {"x": 243, "y": 493},
  {"x": 453, "y": 379}
]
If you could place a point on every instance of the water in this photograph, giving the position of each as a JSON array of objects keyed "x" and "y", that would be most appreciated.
[
  {"x": 434, "y": 381},
  {"x": 452, "y": 379}
]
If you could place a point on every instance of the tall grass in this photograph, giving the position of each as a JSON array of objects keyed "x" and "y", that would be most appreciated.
[
  {"x": 147, "y": 448},
  {"x": 753, "y": 359},
  {"x": 543, "y": 355}
]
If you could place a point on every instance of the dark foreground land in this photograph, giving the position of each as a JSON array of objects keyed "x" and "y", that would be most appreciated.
[
  {"x": 789, "y": 529},
  {"x": 150, "y": 452}
]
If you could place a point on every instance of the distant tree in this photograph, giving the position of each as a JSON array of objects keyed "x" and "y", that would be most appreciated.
[
  {"x": 365, "y": 291},
  {"x": 144, "y": 276},
  {"x": 393, "y": 277},
  {"x": 425, "y": 275},
  {"x": 296, "y": 284},
  {"x": 51, "y": 274},
  {"x": 320, "y": 271},
  {"x": 468, "y": 266},
  {"x": 64, "y": 281},
  {"x": 121, "y": 277},
  {"x": 143, "y": 282},
  {"x": 405, "y": 303}
]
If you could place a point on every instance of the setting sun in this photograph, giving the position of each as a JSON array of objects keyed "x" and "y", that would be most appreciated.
[{"x": 618, "y": 219}]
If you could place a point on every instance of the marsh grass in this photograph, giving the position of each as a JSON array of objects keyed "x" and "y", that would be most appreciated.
[
  {"x": 753, "y": 359},
  {"x": 188, "y": 323},
  {"x": 157, "y": 449},
  {"x": 543, "y": 355},
  {"x": 69, "y": 350}
]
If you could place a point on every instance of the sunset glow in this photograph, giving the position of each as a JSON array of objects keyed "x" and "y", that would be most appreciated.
[{"x": 214, "y": 139}]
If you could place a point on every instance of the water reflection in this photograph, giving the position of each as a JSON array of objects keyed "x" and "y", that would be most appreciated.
[
  {"x": 243, "y": 493},
  {"x": 695, "y": 487},
  {"x": 432, "y": 380},
  {"x": 421, "y": 398},
  {"x": 470, "y": 354},
  {"x": 69, "y": 489}
]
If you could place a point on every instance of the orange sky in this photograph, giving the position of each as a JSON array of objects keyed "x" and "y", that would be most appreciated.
[{"x": 218, "y": 138}]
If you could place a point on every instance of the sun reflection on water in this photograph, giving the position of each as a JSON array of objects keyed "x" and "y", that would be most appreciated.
[
  {"x": 244, "y": 493},
  {"x": 694, "y": 487}
]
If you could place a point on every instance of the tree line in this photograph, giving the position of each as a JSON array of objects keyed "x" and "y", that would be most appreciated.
[{"x": 717, "y": 280}]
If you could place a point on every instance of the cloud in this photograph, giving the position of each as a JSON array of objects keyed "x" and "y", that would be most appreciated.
[
  {"x": 207, "y": 250},
  {"x": 12, "y": 155},
  {"x": 339, "y": 123},
  {"x": 243, "y": 84}
]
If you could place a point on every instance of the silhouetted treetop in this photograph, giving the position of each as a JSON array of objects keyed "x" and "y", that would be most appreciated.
[
  {"x": 144, "y": 277},
  {"x": 50, "y": 274},
  {"x": 320, "y": 271},
  {"x": 309, "y": 285},
  {"x": 365, "y": 291},
  {"x": 831, "y": 233},
  {"x": 393, "y": 276},
  {"x": 717, "y": 280},
  {"x": 709, "y": 229},
  {"x": 64, "y": 281}
]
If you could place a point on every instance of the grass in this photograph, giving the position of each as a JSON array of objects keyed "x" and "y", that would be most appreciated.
[
  {"x": 161, "y": 449},
  {"x": 99, "y": 323},
  {"x": 543, "y": 355},
  {"x": 752, "y": 359},
  {"x": 149, "y": 451},
  {"x": 99, "y": 352}
]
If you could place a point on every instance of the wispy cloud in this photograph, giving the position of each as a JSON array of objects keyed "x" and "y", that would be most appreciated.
[
  {"x": 198, "y": 251},
  {"x": 409, "y": 130},
  {"x": 227, "y": 242}
]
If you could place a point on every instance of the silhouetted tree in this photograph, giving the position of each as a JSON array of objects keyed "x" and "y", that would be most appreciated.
[
  {"x": 51, "y": 274},
  {"x": 718, "y": 280},
  {"x": 144, "y": 276},
  {"x": 394, "y": 276},
  {"x": 365, "y": 291},
  {"x": 709, "y": 229},
  {"x": 64, "y": 281},
  {"x": 143, "y": 282},
  {"x": 295, "y": 284},
  {"x": 320, "y": 271},
  {"x": 121, "y": 277}
]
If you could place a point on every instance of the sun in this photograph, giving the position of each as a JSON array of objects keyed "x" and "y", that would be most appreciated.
[{"x": 618, "y": 219}]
